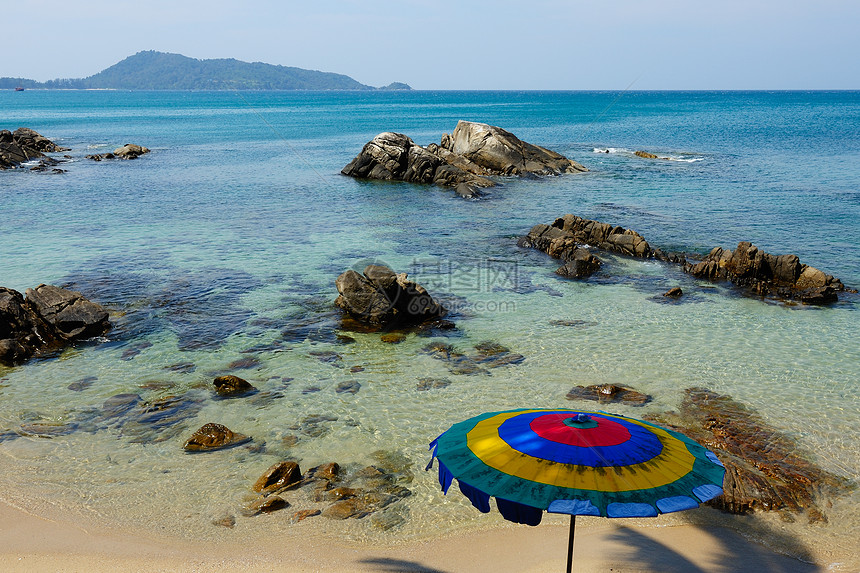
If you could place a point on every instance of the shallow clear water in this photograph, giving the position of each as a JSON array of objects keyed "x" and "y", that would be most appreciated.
[{"x": 223, "y": 244}]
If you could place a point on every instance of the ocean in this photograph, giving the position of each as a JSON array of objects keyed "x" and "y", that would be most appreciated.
[{"x": 217, "y": 254}]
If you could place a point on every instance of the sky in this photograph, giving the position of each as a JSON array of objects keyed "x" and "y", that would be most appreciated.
[{"x": 460, "y": 45}]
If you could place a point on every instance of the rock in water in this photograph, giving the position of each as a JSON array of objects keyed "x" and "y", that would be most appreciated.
[
  {"x": 395, "y": 157},
  {"x": 73, "y": 315},
  {"x": 501, "y": 152},
  {"x": 230, "y": 386},
  {"x": 279, "y": 476},
  {"x": 580, "y": 264},
  {"x": 214, "y": 437},
  {"x": 22, "y": 331},
  {"x": 764, "y": 274},
  {"x": 765, "y": 469},
  {"x": 462, "y": 161},
  {"x": 606, "y": 393},
  {"x": 47, "y": 319},
  {"x": 381, "y": 298},
  {"x": 22, "y": 145},
  {"x": 130, "y": 151}
]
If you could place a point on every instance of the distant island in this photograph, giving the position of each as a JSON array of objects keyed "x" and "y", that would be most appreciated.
[{"x": 151, "y": 70}]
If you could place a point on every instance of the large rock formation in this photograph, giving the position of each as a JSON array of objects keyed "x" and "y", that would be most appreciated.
[
  {"x": 502, "y": 153},
  {"x": 764, "y": 274},
  {"x": 382, "y": 298},
  {"x": 48, "y": 318},
  {"x": 463, "y": 160},
  {"x": 23, "y": 145}
]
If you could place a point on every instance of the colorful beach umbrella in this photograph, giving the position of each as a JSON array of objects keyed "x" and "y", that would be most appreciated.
[{"x": 574, "y": 462}]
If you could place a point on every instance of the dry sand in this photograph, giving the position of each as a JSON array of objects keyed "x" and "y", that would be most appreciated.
[{"x": 30, "y": 543}]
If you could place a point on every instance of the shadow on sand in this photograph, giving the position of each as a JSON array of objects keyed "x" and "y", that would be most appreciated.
[{"x": 399, "y": 566}]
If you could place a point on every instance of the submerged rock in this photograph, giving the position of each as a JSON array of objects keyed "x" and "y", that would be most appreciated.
[
  {"x": 765, "y": 468},
  {"x": 214, "y": 437},
  {"x": 606, "y": 393},
  {"x": 489, "y": 355},
  {"x": 265, "y": 505},
  {"x": 432, "y": 384},
  {"x": 348, "y": 387},
  {"x": 381, "y": 298},
  {"x": 462, "y": 161},
  {"x": 230, "y": 386}
]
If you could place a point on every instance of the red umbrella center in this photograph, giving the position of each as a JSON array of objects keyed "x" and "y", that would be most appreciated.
[{"x": 606, "y": 432}]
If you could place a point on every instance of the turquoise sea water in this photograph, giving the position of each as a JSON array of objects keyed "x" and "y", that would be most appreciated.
[{"x": 223, "y": 244}]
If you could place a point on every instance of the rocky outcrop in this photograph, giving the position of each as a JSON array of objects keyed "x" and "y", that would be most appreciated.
[
  {"x": 500, "y": 152},
  {"x": 765, "y": 274},
  {"x": 381, "y": 298},
  {"x": 569, "y": 238},
  {"x": 783, "y": 276},
  {"x": 23, "y": 145},
  {"x": 462, "y": 161},
  {"x": 69, "y": 312},
  {"x": 395, "y": 157},
  {"x": 566, "y": 234},
  {"x": 127, "y": 151},
  {"x": 48, "y": 318}
]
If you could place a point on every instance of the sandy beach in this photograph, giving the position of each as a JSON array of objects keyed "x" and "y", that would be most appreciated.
[{"x": 30, "y": 543}]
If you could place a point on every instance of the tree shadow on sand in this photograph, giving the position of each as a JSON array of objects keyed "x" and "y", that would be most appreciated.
[
  {"x": 386, "y": 564},
  {"x": 735, "y": 554}
]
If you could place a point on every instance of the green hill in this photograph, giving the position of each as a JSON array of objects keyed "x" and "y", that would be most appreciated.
[{"x": 152, "y": 70}]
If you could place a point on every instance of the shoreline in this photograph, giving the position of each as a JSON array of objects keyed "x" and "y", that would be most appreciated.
[{"x": 32, "y": 543}]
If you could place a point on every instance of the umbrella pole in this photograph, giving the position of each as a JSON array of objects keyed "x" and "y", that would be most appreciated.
[{"x": 570, "y": 544}]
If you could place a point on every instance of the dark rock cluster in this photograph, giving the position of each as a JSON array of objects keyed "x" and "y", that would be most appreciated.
[
  {"x": 570, "y": 233},
  {"x": 764, "y": 274},
  {"x": 46, "y": 319},
  {"x": 569, "y": 238},
  {"x": 463, "y": 160},
  {"x": 334, "y": 491},
  {"x": 381, "y": 298},
  {"x": 22, "y": 145}
]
